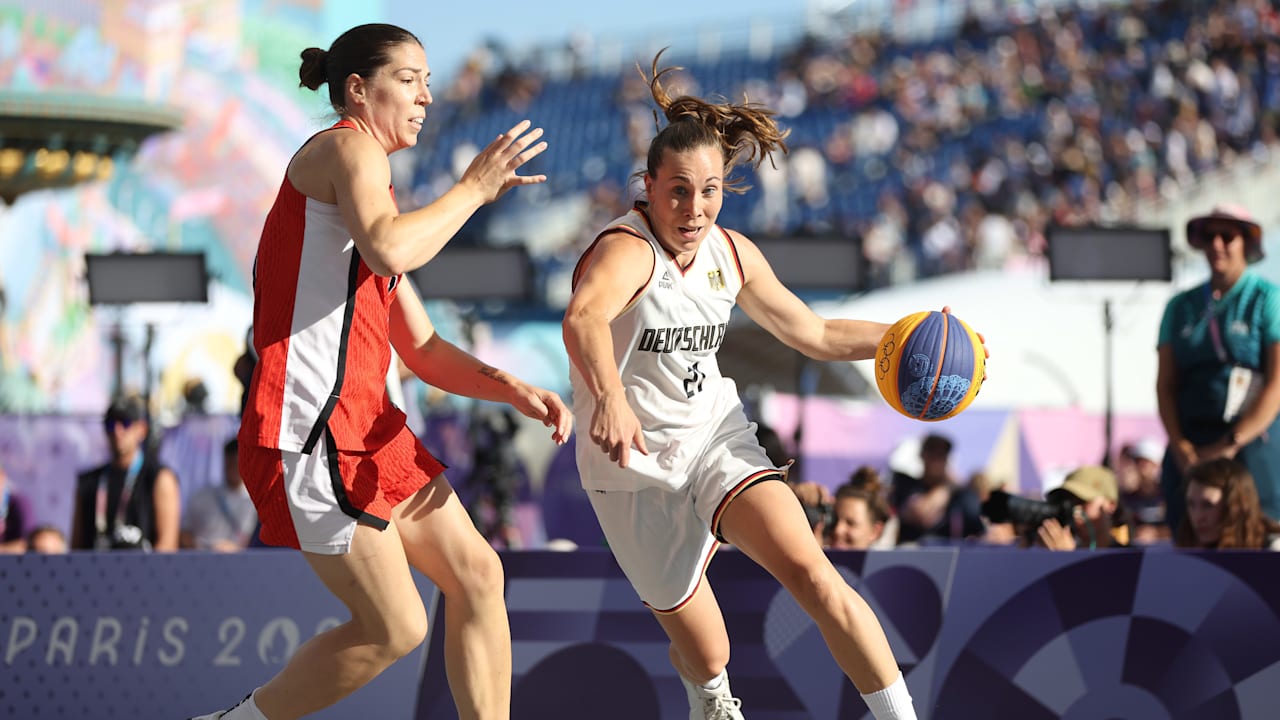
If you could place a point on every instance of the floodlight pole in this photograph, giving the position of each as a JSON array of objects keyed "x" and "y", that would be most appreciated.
[
  {"x": 117, "y": 347},
  {"x": 1108, "y": 324},
  {"x": 146, "y": 368}
]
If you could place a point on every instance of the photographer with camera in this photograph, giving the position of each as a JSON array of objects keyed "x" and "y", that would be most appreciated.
[
  {"x": 132, "y": 502},
  {"x": 1083, "y": 512}
]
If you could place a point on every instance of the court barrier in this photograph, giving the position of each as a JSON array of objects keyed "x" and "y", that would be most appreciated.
[{"x": 979, "y": 632}]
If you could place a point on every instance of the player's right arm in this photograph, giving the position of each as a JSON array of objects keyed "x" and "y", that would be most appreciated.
[
  {"x": 350, "y": 169},
  {"x": 613, "y": 272},
  {"x": 784, "y": 315}
]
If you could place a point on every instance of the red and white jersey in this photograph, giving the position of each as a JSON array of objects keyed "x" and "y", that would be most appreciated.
[
  {"x": 320, "y": 318},
  {"x": 665, "y": 342}
]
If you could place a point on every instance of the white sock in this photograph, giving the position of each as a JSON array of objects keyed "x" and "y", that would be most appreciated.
[
  {"x": 714, "y": 683},
  {"x": 246, "y": 710},
  {"x": 891, "y": 703}
]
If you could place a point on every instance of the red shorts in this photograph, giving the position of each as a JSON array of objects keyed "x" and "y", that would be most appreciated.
[{"x": 313, "y": 502}]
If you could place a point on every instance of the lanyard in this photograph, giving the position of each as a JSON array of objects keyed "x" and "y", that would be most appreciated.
[
  {"x": 1215, "y": 331},
  {"x": 130, "y": 477}
]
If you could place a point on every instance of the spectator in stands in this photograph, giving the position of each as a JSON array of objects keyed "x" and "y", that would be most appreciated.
[
  {"x": 1097, "y": 520},
  {"x": 46, "y": 540},
  {"x": 330, "y": 462},
  {"x": 1222, "y": 510},
  {"x": 16, "y": 517},
  {"x": 860, "y": 512},
  {"x": 220, "y": 516},
  {"x": 195, "y": 397},
  {"x": 650, "y": 302},
  {"x": 1218, "y": 379},
  {"x": 132, "y": 502},
  {"x": 1067, "y": 118},
  {"x": 1138, "y": 473},
  {"x": 934, "y": 506}
]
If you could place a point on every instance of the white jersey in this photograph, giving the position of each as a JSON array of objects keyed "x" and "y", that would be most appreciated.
[{"x": 665, "y": 342}]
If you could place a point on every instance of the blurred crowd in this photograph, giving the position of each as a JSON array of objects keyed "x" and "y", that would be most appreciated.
[
  {"x": 1092, "y": 507},
  {"x": 955, "y": 154}
]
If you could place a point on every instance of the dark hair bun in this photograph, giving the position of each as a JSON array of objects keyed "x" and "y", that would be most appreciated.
[{"x": 312, "y": 74}]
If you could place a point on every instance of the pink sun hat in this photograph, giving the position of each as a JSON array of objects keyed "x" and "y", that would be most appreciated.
[{"x": 1228, "y": 212}]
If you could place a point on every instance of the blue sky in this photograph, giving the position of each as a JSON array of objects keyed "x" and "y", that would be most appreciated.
[{"x": 449, "y": 30}]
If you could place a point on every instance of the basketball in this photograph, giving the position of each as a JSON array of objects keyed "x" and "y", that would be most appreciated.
[{"x": 930, "y": 365}]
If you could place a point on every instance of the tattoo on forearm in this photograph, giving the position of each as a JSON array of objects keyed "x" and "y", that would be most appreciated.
[{"x": 494, "y": 374}]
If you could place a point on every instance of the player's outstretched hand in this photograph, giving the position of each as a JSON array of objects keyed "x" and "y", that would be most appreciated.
[
  {"x": 493, "y": 171},
  {"x": 544, "y": 405}
]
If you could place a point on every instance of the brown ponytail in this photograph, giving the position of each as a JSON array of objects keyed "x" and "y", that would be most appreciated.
[{"x": 744, "y": 133}]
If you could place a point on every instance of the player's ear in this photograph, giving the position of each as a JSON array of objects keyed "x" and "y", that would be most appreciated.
[{"x": 355, "y": 86}]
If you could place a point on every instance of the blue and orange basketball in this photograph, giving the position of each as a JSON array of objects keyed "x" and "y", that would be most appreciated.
[{"x": 930, "y": 365}]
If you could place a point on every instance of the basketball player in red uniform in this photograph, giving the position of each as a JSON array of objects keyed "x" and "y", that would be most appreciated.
[
  {"x": 673, "y": 466},
  {"x": 331, "y": 466}
]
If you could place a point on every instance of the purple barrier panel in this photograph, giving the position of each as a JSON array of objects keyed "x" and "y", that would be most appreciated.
[
  {"x": 42, "y": 454},
  {"x": 131, "y": 635},
  {"x": 980, "y": 634},
  {"x": 1121, "y": 634},
  {"x": 584, "y": 646}
]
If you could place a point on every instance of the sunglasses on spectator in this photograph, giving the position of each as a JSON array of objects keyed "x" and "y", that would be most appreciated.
[{"x": 1227, "y": 231}]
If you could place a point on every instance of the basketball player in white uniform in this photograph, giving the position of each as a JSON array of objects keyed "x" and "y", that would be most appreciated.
[{"x": 671, "y": 463}]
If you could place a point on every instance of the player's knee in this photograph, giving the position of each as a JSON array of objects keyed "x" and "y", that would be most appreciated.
[
  {"x": 405, "y": 632},
  {"x": 701, "y": 663},
  {"x": 812, "y": 585},
  {"x": 480, "y": 574}
]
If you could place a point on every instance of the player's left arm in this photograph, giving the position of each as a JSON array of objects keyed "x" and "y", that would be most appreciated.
[
  {"x": 442, "y": 364},
  {"x": 776, "y": 309}
]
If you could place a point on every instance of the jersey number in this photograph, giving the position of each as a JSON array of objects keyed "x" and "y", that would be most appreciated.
[{"x": 693, "y": 383}]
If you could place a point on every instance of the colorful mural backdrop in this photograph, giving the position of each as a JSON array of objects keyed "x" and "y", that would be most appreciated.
[{"x": 229, "y": 67}]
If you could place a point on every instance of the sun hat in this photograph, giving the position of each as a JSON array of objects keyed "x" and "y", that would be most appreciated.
[
  {"x": 1229, "y": 212},
  {"x": 1091, "y": 481}
]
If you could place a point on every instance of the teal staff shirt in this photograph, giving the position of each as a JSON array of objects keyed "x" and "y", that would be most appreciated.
[{"x": 1248, "y": 317}]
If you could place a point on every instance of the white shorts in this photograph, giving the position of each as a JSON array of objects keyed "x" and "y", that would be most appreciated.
[
  {"x": 313, "y": 502},
  {"x": 663, "y": 539}
]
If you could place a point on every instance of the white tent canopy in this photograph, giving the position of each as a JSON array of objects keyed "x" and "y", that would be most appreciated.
[{"x": 1047, "y": 340}]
